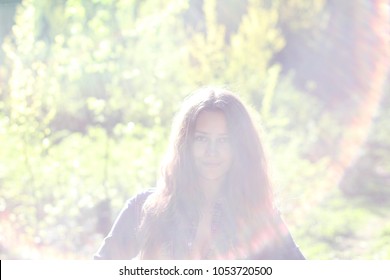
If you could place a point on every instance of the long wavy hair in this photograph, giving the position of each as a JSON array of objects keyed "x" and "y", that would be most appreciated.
[{"x": 246, "y": 199}]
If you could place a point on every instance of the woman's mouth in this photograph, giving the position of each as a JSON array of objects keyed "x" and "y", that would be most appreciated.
[{"x": 212, "y": 163}]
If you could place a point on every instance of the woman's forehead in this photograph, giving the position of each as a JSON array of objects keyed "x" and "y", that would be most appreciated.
[{"x": 211, "y": 122}]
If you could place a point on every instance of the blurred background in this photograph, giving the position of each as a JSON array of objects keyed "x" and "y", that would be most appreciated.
[{"x": 88, "y": 90}]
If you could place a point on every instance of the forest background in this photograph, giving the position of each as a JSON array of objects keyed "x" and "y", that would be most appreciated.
[{"x": 88, "y": 90}]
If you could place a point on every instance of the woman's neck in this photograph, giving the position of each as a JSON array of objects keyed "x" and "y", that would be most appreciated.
[{"x": 210, "y": 189}]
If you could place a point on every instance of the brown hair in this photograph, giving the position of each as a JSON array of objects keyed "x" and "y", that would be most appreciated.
[{"x": 246, "y": 195}]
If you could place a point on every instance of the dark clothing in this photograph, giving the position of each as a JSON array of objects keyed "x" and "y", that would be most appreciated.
[{"x": 122, "y": 241}]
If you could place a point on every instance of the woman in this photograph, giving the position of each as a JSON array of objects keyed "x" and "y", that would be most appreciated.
[{"x": 214, "y": 197}]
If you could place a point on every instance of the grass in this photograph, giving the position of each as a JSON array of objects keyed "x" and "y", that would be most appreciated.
[{"x": 349, "y": 228}]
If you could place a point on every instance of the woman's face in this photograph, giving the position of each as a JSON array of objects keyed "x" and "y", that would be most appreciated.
[{"x": 211, "y": 148}]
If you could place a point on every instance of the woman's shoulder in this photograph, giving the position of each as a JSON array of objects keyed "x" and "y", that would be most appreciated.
[
  {"x": 139, "y": 198},
  {"x": 121, "y": 242},
  {"x": 142, "y": 194},
  {"x": 131, "y": 210},
  {"x": 290, "y": 248}
]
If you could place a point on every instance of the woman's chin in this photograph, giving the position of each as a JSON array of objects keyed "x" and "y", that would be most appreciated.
[{"x": 212, "y": 178}]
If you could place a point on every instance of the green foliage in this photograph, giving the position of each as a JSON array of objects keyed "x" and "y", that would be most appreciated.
[
  {"x": 373, "y": 163},
  {"x": 342, "y": 229}
]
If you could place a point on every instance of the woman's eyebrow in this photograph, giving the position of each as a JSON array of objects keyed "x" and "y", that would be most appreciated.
[
  {"x": 206, "y": 133},
  {"x": 201, "y": 132}
]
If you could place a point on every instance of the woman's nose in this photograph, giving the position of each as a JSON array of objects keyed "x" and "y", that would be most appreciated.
[{"x": 212, "y": 148}]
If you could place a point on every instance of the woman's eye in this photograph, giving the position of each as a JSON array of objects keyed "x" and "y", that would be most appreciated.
[
  {"x": 199, "y": 138},
  {"x": 223, "y": 140}
]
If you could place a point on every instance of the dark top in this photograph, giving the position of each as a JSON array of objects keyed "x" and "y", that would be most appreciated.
[{"x": 122, "y": 241}]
